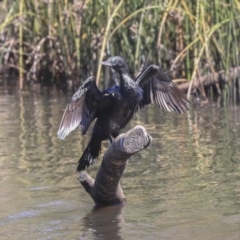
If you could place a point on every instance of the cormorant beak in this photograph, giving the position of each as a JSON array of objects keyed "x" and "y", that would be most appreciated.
[{"x": 106, "y": 63}]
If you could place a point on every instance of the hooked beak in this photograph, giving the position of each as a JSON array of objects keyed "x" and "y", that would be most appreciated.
[{"x": 106, "y": 63}]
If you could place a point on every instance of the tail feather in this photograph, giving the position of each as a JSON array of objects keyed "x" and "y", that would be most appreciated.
[{"x": 89, "y": 155}]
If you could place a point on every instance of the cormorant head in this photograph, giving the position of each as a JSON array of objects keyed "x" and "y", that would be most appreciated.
[{"x": 117, "y": 63}]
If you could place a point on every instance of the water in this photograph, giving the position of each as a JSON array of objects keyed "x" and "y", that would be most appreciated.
[{"x": 185, "y": 186}]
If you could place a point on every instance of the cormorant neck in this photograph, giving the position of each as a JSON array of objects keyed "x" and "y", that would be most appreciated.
[
  {"x": 124, "y": 71},
  {"x": 125, "y": 79}
]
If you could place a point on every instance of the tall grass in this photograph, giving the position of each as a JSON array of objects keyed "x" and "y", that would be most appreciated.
[{"x": 61, "y": 42}]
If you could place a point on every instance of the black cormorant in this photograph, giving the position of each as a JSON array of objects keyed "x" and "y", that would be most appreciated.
[{"x": 114, "y": 107}]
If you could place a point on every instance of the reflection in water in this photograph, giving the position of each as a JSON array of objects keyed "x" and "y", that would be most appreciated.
[
  {"x": 104, "y": 222},
  {"x": 185, "y": 186}
]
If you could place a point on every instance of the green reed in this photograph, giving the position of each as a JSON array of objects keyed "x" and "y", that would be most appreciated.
[{"x": 61, "y": 42}]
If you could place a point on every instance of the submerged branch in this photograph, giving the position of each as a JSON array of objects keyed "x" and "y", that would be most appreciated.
[
  {"x": 210, "y": 79},
  {"x": 106, "y": 189}
]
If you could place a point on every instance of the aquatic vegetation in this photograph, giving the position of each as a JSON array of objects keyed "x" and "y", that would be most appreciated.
[{"x": 61, "y": 42}]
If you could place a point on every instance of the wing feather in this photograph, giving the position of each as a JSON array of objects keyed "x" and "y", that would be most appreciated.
[
  {"x": 158, "y": 88},
  {"x": 80, "y": 111}
]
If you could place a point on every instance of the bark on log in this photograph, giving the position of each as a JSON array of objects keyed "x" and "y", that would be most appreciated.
[
  {"x": 210, "y": 79},
  {"x": 106, "y": 189}
]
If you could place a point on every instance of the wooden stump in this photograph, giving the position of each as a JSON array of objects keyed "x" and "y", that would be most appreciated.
[{"x": 106, "y": 189}]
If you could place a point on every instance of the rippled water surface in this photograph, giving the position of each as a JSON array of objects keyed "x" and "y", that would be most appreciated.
[{"x": 185, "y": 186}]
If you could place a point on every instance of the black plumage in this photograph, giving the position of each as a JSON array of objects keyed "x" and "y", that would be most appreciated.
[{"x": 114, "y": 107}]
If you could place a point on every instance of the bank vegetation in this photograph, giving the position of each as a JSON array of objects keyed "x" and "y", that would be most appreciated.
[{"x": 60, "y": 42}]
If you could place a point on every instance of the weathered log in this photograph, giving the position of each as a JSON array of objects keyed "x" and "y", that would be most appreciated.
[
  {"x": 211, "y": 78},
  {"x": 106, "y": 189}
]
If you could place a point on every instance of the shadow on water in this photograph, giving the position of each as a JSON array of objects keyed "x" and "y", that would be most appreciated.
[
  {"x": 185, "y": 186},
  {"x": 104, "y": 222}
]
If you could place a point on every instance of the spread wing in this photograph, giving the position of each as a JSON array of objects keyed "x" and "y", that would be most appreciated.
[
  {"x": 158, "y": 88},
  {"x": 81, "y": 110}
]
